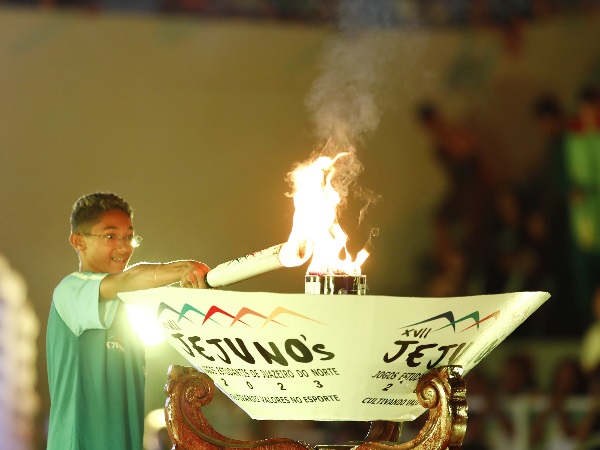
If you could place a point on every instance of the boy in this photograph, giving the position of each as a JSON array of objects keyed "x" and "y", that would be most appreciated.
[{"x": 95, "y": 360}]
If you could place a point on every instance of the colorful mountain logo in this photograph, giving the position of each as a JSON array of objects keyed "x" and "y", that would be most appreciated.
[
  {"x": 215, "y": 311},
  {"x": 452, "y": 322}
]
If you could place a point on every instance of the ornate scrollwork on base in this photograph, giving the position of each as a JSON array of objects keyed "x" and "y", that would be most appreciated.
[
  {"x": 442, "y": 391},
  {"x": 187, "y": 392}
]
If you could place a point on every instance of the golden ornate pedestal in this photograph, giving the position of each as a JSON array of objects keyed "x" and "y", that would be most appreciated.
[{"x": 442, "y": 390}]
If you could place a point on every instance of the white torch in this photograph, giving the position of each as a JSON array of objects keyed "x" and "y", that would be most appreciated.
[{"x": 290, "y": 254}]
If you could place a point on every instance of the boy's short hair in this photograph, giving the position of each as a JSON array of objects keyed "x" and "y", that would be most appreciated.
[{"x": 88, "y": 209}]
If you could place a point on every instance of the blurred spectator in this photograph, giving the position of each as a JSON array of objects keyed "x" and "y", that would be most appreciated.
[
  {"x": 506, "y": 240},
  {"x": 547, "y": 179},
  {"x": 546, "y": 191},
  {"x": 587, "y": 119},
  {"x": 590, "y": 346},
  {"x": 583, "y": 165},
  {"x": 460, "y": 215},
  {"x": 517, "y": 377},
  {"x": 450, "y": 273},
  {"x": 539, "y": 267},
  {"x": 520, "y": 251},
  {"x": 539, "y": 255},
  {"x": 489, "y": 425},
  {"x": 555, "y": 426},
  {"x": 588, "y": 432}
]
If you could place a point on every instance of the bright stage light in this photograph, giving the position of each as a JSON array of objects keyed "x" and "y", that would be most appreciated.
[{"x": 145, "y": 325}]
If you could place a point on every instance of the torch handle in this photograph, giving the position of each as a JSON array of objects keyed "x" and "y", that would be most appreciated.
[{"x": 248, "y": 266}]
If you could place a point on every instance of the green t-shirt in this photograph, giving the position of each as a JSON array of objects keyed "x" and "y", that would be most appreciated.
[
  {"x": 95, "y": 370},
  {"x": 583, "y": 165}
]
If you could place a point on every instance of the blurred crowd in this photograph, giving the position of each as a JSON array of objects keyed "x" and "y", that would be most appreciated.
[
  {"x": 537, "y": 232},
  {"x": 438, "y": 13},
  {"x": 514, "y": 410}
]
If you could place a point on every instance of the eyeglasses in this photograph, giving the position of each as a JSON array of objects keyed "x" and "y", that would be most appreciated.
[{"x": 112, "y": 239}]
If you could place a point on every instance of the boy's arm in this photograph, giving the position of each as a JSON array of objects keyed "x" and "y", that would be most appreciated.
[{"x": 190, "y": 274}]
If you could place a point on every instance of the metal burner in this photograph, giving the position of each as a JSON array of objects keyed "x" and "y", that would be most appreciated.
[{"x": 335, "y": 284}]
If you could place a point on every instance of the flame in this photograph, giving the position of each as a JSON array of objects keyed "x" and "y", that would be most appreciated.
[{"x": 315, "y": 225}]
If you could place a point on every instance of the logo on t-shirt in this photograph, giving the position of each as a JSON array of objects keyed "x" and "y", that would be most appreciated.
[{"x": 115, "y": 343}]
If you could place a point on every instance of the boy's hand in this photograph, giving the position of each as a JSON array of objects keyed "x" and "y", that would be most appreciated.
[{"x": 193, "y": 276}]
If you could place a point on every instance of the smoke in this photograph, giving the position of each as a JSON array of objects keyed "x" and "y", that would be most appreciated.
[{"x": 344, "y": 100}]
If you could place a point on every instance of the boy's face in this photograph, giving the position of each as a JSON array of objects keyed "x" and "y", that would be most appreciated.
[{"x": 101, "y": 255}]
